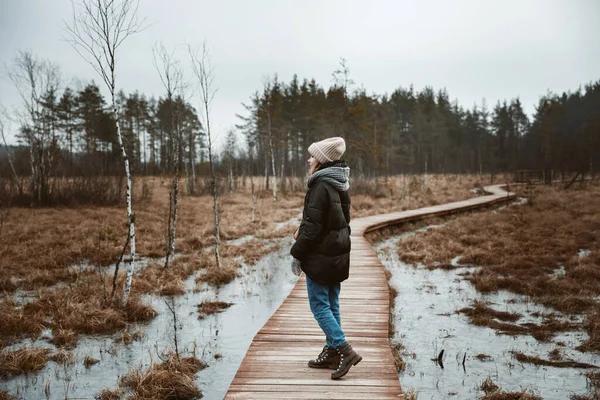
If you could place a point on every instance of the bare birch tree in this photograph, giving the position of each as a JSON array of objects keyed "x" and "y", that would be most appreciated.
[
  {"x": 98, "y": 29},
  {"x": 202, "y": 69},
  {"x": 267, "y": 95},
  {"x": 4, "y": 123},
  {"x": 171, "y": 76},
  {"x": 34, "y": 79}
]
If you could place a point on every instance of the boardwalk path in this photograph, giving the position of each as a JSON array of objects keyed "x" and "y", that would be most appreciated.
[{"x": 275, "y": 365}]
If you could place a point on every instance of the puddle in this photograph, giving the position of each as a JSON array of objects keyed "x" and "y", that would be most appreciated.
[
  {"x": 293, "y": 220},
  {"x": 426, "y": 323},
  {"x": 239, "y": 241},
  {"x": 584, "y": 253},
  {"x": 221, "y": 340},
  {"x": 518, "y": 202}
]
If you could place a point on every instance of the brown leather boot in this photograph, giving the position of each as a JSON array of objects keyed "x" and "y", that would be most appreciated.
[
  {"x": 348, "y": 358},
  {"x": 328, "y": 358}
]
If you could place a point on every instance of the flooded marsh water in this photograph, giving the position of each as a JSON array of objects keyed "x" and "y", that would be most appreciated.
[
  {"x": 426, "y": 322},
  {"x": 221, "y": 340}
]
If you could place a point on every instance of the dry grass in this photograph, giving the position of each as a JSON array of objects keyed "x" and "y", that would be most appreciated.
[
  {"x": 494, "y": 392},
  {"x": 481, "y": 310},
  {"x": 129, "y": 337},
  {"x": 521, "y": 249},
  {"x": 552, "y": 363},
  {"x": 219, "y": 276},
  {"x": 88, "y": 361},
  {"x": 64, "y": 237},
  {"x": 22, "y": 361},
  {"x": 211, "y": 307},
  {"x": 106, "y": 394},
  {"x": 398, "y": 359},
  {"x": 18, "y": 323},
  {"x": 62, "y": 357},
  {"x": 407, "y": 192},
  {"x": 69, "y": 311},
  {"x": 410, "y": 395},
  {"x": 592, "y": 326},
  {"x": 64, "y": 338},
  {"x": 6, "y": 396},
  {"x": 155, "y": 279},
  {"x": 71, "y": 297},
  {"x": 172, "y": 379},
  {"x": 482, "y": 315}
]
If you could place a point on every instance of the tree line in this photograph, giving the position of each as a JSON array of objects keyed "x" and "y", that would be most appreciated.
[
  {"x": 77, "y": 127},
  {"x": 414, "y": 132},
  {"x": 72, "y": 132}
]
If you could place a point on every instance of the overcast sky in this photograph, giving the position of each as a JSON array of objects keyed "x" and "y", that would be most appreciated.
[{"x": 474, "y": 48}]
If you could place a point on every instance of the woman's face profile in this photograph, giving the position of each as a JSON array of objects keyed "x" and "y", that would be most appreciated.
[{"x": 312, "y": 165}]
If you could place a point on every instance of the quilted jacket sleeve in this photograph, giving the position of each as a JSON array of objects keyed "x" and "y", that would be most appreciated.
[{"x": 316, "y": 206}]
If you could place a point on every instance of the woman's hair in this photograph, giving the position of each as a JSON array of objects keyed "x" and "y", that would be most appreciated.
[{"x": 317, "y": 167}]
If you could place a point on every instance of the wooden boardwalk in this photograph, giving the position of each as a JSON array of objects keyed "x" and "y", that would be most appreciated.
[{"x": 275, "y": 366}]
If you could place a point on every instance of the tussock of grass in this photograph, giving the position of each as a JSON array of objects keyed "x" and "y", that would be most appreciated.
[
  {"x": 88, "y": 361},
  {"x": 211, "y": 307},
  {"x": 494, "y": 392},
  {"x": 156, "y": 279},
  {"x": 6, "y": 396},
  {"x": 106, "y": 394},
  {"x": 558, "y": 364},
  {"x": 398, "y": 359},
  {"x": 251, "y": 251},
  {"x": 18, "y": 323},
  {"x": 21, "y": 361},
  {"x": 482, "y": 315},
  {"x": 481, "y": 310},
  {"x": 62, "y": 357},
  {"x": 64, "y": 338},
  {"x": 592, "y": 327},
  {"x": 7, "y": 285},
  {"x": 129, "y": 337},
  {"x": 171, "y": 379},
  {"x": 219, "y": 276}
]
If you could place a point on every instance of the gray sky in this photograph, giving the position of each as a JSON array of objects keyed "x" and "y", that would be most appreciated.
[{"x": 473, "y": 48}]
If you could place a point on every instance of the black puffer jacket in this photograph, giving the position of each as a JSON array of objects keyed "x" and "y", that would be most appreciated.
[{"x": 323, "y": 244}]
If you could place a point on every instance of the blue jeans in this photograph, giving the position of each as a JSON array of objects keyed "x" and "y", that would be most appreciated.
[{"x": 324, "y": 303}]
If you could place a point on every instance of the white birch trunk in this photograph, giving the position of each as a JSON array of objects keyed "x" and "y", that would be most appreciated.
[
  {"x": 273, "y": 167},
  {"x": 281, "y": 179},
  {"x": 230, "y": 178},
  {"x": 253, "y": 199},
  {"x": 215, "y": 204},
  {"x": 130, "y": 215},
  {"x": 188, "y": 176},
  {"x": 175, "y": 209},
  {"x": 193, "y": 162},
  {"x": 174, "y": 186}
]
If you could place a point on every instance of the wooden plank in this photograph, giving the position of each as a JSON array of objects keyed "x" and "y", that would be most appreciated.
[
  {"x": 332, "y": 394},
  {"x": 347, "y": 381}
]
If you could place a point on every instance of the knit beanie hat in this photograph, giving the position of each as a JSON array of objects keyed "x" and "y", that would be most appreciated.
[{"x": 328, "y": 150}]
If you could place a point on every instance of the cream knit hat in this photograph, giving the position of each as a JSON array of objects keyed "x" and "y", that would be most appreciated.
[{"x": 328, "y": 150}]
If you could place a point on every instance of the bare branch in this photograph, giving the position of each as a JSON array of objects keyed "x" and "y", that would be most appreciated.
[{"x": 98, "y": 29}]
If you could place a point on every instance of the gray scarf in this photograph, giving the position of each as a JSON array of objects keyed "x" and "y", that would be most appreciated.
[{"x": 335, "y": 176}]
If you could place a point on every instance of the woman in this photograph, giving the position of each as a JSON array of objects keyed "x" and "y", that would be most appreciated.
[{"x": 322, "y": 250}]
